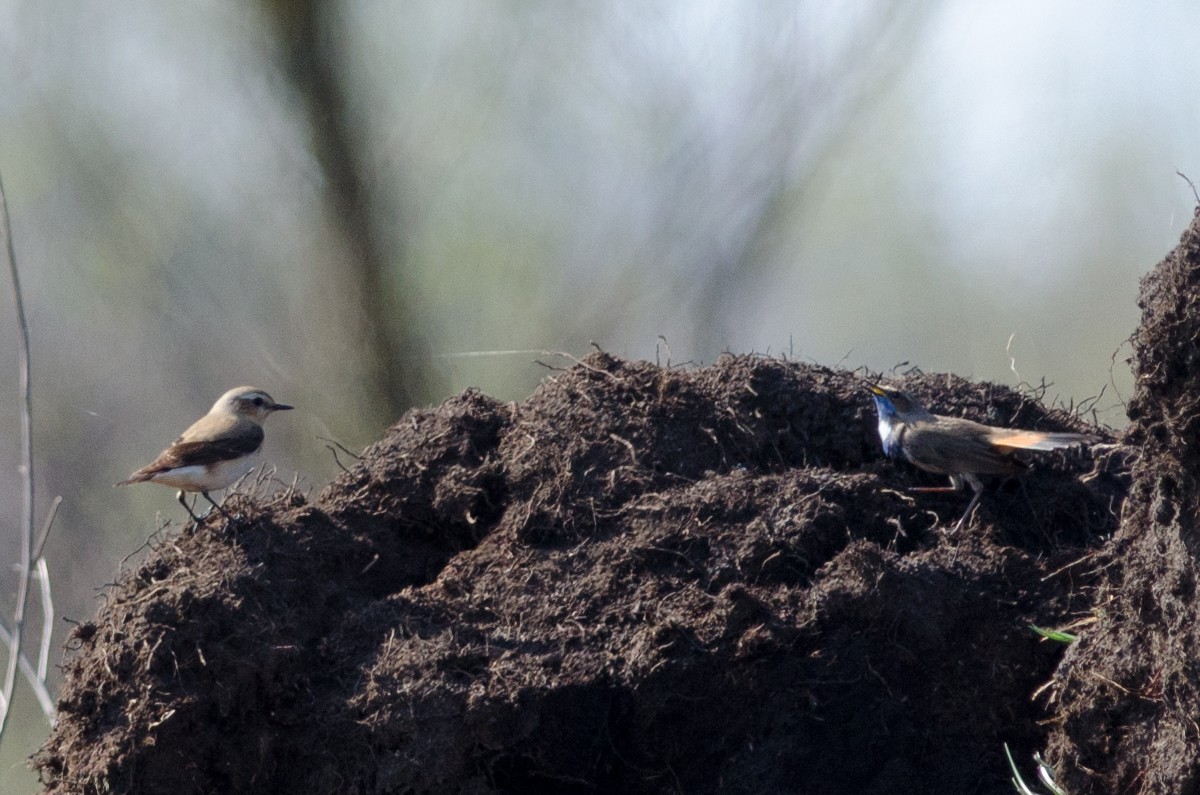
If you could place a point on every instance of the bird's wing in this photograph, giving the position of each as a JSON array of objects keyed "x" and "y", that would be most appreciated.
[
  {"x": 227, "y": 438},
  {"x": 1038, "y": 440},
  {"x": 955, "y": 446},
  {"x": 217, "y": 426}
]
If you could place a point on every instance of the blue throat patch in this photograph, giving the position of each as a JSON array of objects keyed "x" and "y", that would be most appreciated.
[{"x": 887, "y": 416}]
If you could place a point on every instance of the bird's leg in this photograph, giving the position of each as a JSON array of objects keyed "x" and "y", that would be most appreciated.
[
  {"x": 182, "y": 497},
  {"x": 217, "y": 506},
  {"x": 977, "y": 485}
]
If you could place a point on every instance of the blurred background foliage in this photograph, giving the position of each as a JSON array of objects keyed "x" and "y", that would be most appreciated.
[{"x": 366, "y": 206}]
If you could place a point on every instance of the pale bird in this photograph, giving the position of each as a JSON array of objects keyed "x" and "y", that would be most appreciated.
[
  {"x": 216, "y": 450},
  {"x": 958, "y": 447}
]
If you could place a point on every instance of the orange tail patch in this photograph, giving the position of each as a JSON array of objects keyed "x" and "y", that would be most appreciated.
[{"x": 1038, "y": 440}]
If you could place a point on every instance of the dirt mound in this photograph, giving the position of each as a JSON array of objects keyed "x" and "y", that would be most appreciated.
[
  {"x": 1127, "y": 696},
  {"x": 640, "y": 579}
]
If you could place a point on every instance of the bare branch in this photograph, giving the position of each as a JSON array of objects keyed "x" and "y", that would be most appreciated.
[
  {"x": 37, "y": 683},
  {"x": 46, "y": 525},
  {"x": 25, "y": 564}
]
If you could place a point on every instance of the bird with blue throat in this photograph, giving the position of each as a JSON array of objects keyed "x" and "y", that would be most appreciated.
[{"x": 955, "y": 446}]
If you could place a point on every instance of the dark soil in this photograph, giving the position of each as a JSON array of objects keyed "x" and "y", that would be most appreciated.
[
  {"x": 1127, "y": 696},
  {"x": 645, "y": 579}
]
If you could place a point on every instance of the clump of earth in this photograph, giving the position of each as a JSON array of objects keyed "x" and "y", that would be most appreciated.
[{"x": 649, "y": 579}]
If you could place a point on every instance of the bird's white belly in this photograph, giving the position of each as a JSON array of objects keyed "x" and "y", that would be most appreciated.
[{"x": 210, "y": 477}]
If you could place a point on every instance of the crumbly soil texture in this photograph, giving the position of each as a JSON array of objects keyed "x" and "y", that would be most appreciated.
[
  {"x": 655, "y": 579},
  {"x": 641, "y": 579}
]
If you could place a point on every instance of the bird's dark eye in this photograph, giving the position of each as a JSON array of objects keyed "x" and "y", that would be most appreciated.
[{"x": 258, "y": 401}]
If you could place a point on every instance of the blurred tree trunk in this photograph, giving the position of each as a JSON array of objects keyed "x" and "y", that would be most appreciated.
[{"x": 396, "y": 374}]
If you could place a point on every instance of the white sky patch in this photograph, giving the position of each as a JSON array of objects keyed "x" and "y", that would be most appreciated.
[{"x": 1022, "y": 104}]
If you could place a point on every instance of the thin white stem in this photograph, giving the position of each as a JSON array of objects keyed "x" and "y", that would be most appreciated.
[
  {"x": 43, "y": 575},
  {"x": 25, "y": 564},
  {"x": 37, "y": 683}
]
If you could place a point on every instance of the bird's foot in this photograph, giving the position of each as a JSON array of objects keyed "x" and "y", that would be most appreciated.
[
  {"x": 967, "y": 513},
  {"x": 182, "y": 497},
  {"x": 216, "y": 506}
]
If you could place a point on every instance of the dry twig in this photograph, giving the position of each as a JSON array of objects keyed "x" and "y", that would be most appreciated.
[{"x": 14, "y": 634}]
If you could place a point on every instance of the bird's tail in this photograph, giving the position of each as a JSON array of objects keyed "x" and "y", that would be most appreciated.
[
  {"x": 1041, "y": 440},
  {"x": 134, "y": 478}
]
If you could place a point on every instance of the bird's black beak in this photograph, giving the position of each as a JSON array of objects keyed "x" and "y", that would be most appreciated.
[{"x": 281, "y": 407}]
